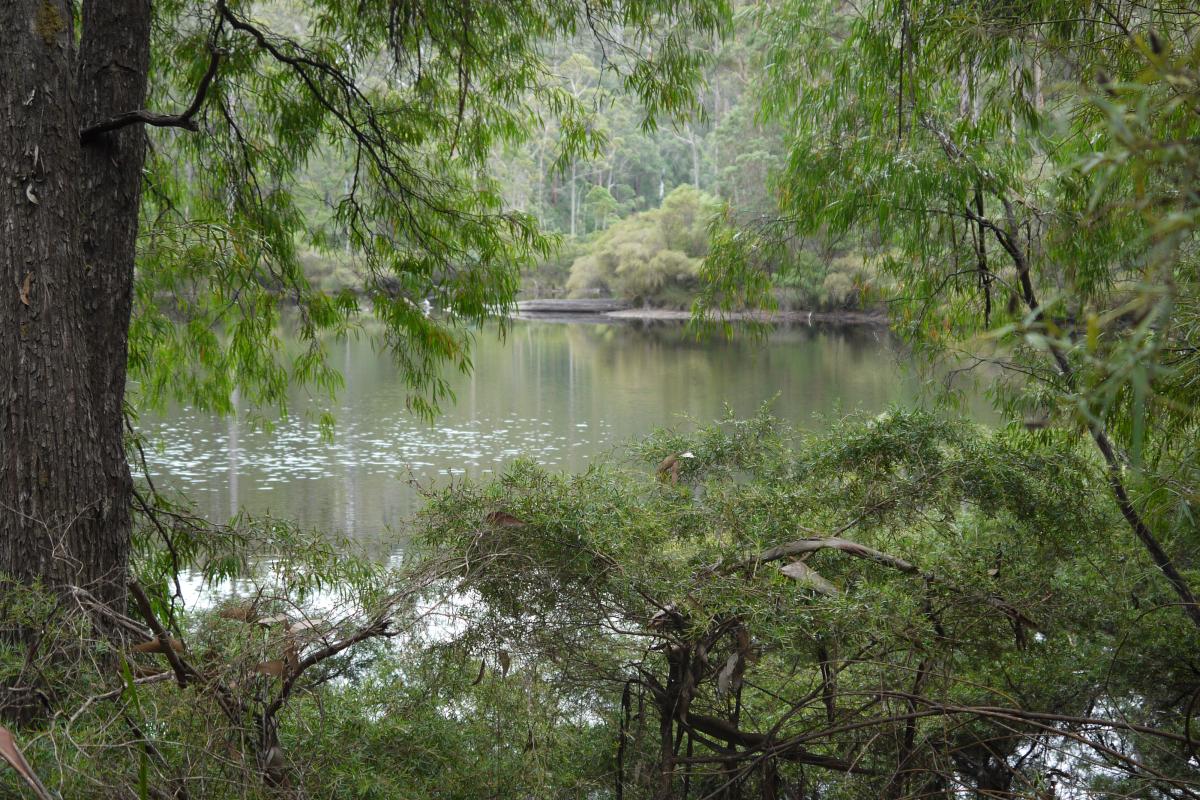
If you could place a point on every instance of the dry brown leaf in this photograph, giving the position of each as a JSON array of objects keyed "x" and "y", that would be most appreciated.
[
  {"x": 291, "y": 656},
  {"x": 238, "y": 613},
  {"x": 725, "y": 678},
  {"x": 668, "y": 468},
  {"x": 13, "y": 755},
  {"x": 273, "y": 668},
  {"x": 482, "y": 669},
  {"x": 156, "y": 646},
  {"x": 26, "y": 286},
  {"x": 503, "y": 519}
]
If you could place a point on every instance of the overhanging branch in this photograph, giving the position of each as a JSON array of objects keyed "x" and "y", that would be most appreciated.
[
  {"x": 184, "y": 120},
  {"x": 813, "y": 544}
]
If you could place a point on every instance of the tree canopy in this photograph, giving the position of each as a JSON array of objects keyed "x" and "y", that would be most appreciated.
[
  {"x": 412, "y": 102},
  {"x": 1022, "y": 175}
]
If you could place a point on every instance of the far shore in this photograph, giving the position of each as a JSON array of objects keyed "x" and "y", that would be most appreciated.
[{"x": 613, "y": 309}]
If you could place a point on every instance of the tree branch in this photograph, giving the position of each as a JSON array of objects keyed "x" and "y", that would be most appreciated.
[
  {"x": 1114, "y": 469},
  {"x": 377, "y": 627},
  {"x": 813, "y": 544},
  {"x": 185, "y": 120},
  {"x": 184, "y": 672}
]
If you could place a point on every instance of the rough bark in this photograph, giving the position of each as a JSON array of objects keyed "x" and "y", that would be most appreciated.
[
  {"x": 114, "y": 65},
  {"x": 68, "y": 221}
]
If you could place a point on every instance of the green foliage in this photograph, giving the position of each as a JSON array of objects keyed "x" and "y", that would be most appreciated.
[
  {"x": 399, "y": 112},
  {"x": 992, "y": 581},
  {"x": 843, "y": 283},
  {"x": 979, "y": 135},
  {"x": 649, "y": 257},
  {"x": 1019, "y": 178},
  {"x": 601, "y": 206},
  {"x": 901, "y": 606},
  {"x": 110, "y": 716},
  {"x": 933, "y": 602}
]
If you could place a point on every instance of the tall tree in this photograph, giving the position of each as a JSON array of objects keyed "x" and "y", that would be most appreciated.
[
  {"x": 171, "y": 250},
  {"x": 65, "y": 511}
]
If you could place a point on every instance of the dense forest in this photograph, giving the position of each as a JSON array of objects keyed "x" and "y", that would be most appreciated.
[{"x": 901, "y": 605}]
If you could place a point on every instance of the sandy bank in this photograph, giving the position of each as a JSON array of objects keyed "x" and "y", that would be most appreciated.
[{"x": 594, "y": 310}]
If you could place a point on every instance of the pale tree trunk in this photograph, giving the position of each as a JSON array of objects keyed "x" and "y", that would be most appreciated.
[
  {"x": 970, "y": 97},
  {"x": 695, "y": 156},
  {"x": 541, "y": 190},
  {"x": 68, "y": 222},
  {"x": 574, "y": 197},
  {"x": 1039, "y": 100},
  {"x": 694, "y": 147}
]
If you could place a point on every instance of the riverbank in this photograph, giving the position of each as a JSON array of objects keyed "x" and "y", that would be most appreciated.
[{"x": 615, "y": 309}]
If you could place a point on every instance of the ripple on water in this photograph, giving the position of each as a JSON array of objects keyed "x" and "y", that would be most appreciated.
[{"x": 557, "y": 394}]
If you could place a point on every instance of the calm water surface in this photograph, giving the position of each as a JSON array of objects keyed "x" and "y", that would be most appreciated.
[{"x": 562, "y": 394}]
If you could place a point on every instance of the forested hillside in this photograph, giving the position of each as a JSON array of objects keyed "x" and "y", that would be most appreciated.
[{"x": 722, "y": 148}]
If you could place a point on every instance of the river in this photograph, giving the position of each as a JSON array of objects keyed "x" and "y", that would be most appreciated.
[{"x": 564, "y": 394}]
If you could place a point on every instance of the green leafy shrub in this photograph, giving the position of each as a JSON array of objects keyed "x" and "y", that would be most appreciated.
[
  {"x": 895, "y": 606},
  {"x": 651, "y": 258}
]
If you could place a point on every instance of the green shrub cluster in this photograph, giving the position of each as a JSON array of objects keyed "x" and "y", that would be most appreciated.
[
  {"x": 807, "y": 282},
  {"x": 650, "y": 258},
  {"x": 895, "y": 607}
]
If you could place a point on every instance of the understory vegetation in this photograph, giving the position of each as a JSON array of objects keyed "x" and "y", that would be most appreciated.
[{"x": 899, "y": 606}]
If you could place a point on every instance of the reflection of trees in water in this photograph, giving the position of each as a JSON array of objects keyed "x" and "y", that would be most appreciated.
[
  {"x": 680, "y": 334},
  {"x": 562, "y": 393},
  {"x": 811, "y": 369}
]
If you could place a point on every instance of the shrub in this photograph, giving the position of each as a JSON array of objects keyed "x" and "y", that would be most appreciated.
[{"x": 652, "y": 257}]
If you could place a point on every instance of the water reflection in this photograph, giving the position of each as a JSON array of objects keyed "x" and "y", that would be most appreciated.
[{"x": 563, "y": 394}]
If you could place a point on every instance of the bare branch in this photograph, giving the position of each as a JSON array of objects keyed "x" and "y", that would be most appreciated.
[
  {"x": 184, "y": 672},
  {"x": 184, "y": 120}
]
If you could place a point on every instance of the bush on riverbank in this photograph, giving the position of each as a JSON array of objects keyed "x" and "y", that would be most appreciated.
[
  {"x": 650, "y": 258},
  {"x": 654, "y": 259},
  {"x": 329, "y": 272},
  {"x": 846, "y": 282}
]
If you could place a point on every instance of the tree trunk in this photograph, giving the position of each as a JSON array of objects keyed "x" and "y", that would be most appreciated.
[
  {"x": 68, "y": 220},
  {"x": 574, "y": 198},
  {"x": 695, "y": 157},
  {"x": 113, "y": 75}
]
